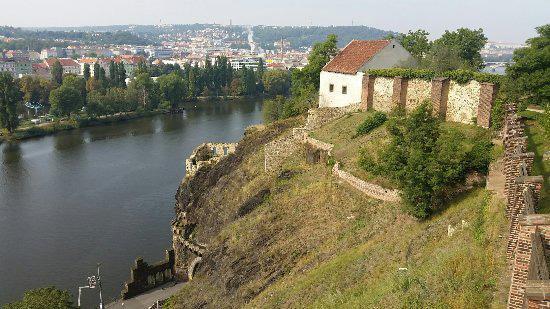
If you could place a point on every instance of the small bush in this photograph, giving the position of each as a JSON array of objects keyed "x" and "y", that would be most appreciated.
[
  {"x": 372, "y": 122},
  {"x": 426, "y": 160}
]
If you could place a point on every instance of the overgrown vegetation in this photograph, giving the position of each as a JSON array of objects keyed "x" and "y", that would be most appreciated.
[
  {"x": 370, "y": 123},
  {"x": 49, "y": 297},
  {"x": 304, "y": 84},
  {"x": 349, "y": 251},
  {"x": 426, "y": 160},
  {"x": 529, "y": 76},
  {"x": 460, "y": 76}
]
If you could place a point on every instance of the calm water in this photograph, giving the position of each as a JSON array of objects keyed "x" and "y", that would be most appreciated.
[{"x": 102, "y": 194}]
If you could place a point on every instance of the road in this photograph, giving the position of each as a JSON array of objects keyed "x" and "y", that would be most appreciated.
[{"x": 148, "y": 299}]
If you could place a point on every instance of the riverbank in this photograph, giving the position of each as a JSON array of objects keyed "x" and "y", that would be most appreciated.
[
  {"x": 71, "y": 124},
  {"x": 75, "y": 123}
]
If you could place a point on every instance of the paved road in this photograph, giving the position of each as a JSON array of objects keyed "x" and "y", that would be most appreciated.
[{"x": 148, "y": 299}]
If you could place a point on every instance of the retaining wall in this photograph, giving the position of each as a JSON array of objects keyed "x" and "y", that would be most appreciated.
[{"x": 370, "y": 189}]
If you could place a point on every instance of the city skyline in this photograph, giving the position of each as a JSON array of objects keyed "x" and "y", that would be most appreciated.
[{"x": 507, "y": 21}]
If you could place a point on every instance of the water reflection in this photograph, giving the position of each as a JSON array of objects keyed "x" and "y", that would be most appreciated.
[{"x": 100, "y": 194}]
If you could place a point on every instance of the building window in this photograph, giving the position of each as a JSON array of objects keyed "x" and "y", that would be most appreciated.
[
  {"x": 344, "y": 89},
  {"x": 331, "y": 87}
]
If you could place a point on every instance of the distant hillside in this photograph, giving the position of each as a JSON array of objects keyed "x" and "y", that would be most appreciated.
[
  {"x": 299, "y": 36},
  {"x": 37, "y": 39},
  {"x": 307, "y": 36}
]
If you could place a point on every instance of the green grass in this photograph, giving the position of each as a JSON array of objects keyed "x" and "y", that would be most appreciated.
[
  {"x": 341, "y": 133},
  {"x": 318, "y": 243},
  {"x": 538, "y": 143}
]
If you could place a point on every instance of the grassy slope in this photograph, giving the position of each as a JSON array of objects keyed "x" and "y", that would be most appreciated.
[
  {"x": 318, "y": 243},
  {"x": 539, "y": 144}
]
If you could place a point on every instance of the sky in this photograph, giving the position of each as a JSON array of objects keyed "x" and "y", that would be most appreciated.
[{"x": 502, "y": 20}]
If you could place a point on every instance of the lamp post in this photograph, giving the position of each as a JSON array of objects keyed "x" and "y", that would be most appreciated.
[{"x": 93, "y": 281}]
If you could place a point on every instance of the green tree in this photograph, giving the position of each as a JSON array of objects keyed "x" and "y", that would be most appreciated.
[
  {"x": 116, "y": 100},
  {"x": 86, "y": 72},
  {"x": 273, "y": 109},
  {"x": 9, "y": 97},
  {"x": 307, "y": 80},
  {"x": 57, "y": 72},
  {"x": 276, "y": 82},
  {"x": 94, "y": 108},
  {"x": 102, "y": 78},
  {"x": 529, "y": 73},
  {"x": 466, "y": 43},
  {"x": 416, "y": 42},
  {"x": 31, "y": 88},
  {"x": 77, "y": 83},
  {"x": 97, "y": 67},
  {"x": 113, "y": 73},
  {"x": 172, "y": 88},
  {"x": 121, "y": 75},
  {"x": 144, "y": 91},
  {"x": 444, "y": 59},
  {"x": 48, "y": 297},
  {"x": 65, "y": 100}
]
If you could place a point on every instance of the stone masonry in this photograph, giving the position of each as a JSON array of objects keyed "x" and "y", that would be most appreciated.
[
  {"x": 529, "y": 237},
  {"x": 206, "y": 154},
  {"x": 318, "y": 151},
  {"x": 451, "y": 101}
]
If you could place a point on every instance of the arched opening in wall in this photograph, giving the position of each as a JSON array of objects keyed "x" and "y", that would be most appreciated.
[{"x": 193, "y": 267}]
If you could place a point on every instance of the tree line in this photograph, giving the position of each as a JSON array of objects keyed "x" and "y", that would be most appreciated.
[{"x": 99, "y": 92}]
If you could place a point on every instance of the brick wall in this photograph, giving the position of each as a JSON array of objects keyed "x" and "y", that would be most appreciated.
[
  {"x": 529, "y": 237},
  {"x": 451, "y": 101}
]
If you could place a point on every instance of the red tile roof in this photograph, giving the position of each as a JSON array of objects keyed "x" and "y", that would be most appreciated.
[
  {"x": 65, "y": 62},
  {"x": 350, "y": 59}
]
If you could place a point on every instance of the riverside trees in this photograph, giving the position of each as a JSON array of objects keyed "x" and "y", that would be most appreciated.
[{"x": 9, "y": 97}]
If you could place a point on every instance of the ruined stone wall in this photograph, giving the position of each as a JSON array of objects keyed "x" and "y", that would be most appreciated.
[
  {"x": 452, "y": 101},
  {"x": 277, "y": 151},
  {"x": 529, "y": 237},
  {"x": 206, "y": 154},
  {"x": 369, "y": 189},
  {"x": 145, "y": 277}
]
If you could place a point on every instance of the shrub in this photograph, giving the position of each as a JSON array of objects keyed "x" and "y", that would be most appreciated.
[
  {"x": 425, "y": 160},
  {"x": 372, "y": 122}
]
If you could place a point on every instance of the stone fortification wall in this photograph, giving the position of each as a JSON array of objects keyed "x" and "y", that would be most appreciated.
[
  {"x": 418, "y": 91},
  {"x": 278, "y": 150},
  {"x": 145, "y": 277},
  {"x": 529, "y": 237},
  {"x": 382, "y": 94},
  {"x": 206, "y": 154},
  {"x": 370, "y": 189},
  {"x": 451, "y": 100}
]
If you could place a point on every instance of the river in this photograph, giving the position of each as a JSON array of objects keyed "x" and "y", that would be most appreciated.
[{"x": 100, "y": 194}]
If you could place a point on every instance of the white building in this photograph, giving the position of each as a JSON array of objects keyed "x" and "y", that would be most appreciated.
[
  {"x": 249, "y": 62},
  {"x": 341, "y": 82},
  {"x": 69, "y": 65}
]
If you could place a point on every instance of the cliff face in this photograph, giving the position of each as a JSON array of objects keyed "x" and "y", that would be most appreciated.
[
  {"x": 214, "y": 196},
  {"x": 303, "y": 238}
]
